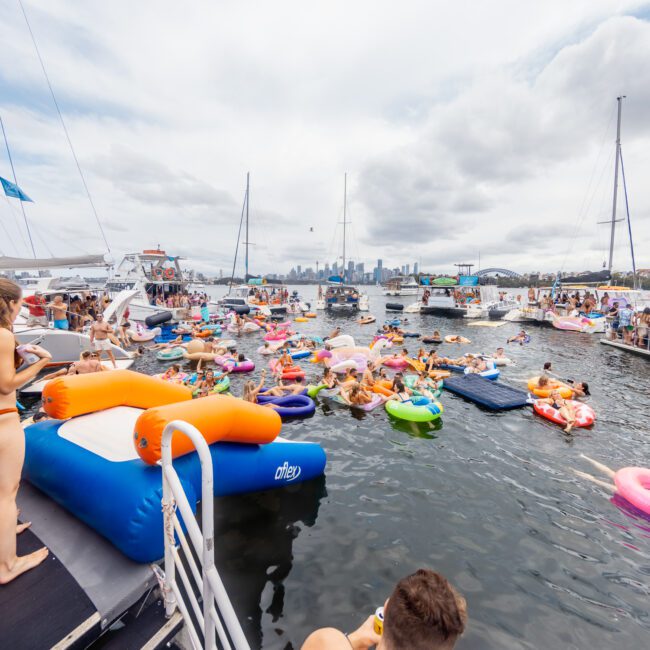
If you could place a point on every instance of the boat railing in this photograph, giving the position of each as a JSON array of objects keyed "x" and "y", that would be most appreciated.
[
  {"x": 636, "y": 341},
  {"x": 210, "y": 612}
]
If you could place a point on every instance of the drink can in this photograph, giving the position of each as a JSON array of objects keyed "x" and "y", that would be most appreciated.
[{"x": 379, "y": 621}]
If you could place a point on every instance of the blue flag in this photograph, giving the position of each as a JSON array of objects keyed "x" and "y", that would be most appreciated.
[{"x": 12, "y": 190}]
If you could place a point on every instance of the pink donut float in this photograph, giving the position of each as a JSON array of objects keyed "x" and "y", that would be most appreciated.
[
  {"x": 275, "y": 336},
  {"x": 585, "y": 415},
  {"x": 396, "y": 362},
  {"x": 239, "y": 366},
  {"x": 633, "y": 484}
]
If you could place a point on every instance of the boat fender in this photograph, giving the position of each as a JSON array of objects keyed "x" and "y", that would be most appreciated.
[{"x": 158, "y": 319}]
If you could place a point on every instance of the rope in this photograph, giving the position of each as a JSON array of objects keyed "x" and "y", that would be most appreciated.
[
  {"x": 241, "y": 221},
  {"x": 13, "y": 171},
  {"x": 65, "y": 130},
  {"x": 629, "y": 224},
  {"x": 169, "y": 510}
]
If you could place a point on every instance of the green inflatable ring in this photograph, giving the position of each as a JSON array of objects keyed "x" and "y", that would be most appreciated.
[
  {"x": 171, "y": 354},
  {"x": 418, "y": 410},
  {"x": 220, "y": 387}
]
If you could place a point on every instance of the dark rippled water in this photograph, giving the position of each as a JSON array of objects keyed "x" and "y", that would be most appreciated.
[{"x": 544, "y": 558}]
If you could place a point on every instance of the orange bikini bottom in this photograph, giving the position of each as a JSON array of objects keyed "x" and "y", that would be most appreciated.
[{"x": 5, "y": 411}]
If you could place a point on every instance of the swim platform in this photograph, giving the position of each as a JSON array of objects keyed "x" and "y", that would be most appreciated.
[{"x": 490, "y": 394}]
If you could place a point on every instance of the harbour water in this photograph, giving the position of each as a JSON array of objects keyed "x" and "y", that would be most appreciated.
[{"x": 544, "y": 558}]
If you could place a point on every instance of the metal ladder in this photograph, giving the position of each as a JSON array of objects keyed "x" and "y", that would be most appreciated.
[{"x": 215, "y": 615}]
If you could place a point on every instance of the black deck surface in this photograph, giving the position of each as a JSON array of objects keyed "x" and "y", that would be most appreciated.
[
  {"x": 44, "y": 605},
  {"x": 490, "y": 394}
]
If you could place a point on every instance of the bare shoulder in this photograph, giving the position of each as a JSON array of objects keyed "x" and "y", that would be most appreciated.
[
  {"x": 327, "y": 638},
  {"x": 6, "y": 337}
]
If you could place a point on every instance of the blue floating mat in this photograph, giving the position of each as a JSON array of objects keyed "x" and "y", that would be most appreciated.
[
  {"x": 490, "y": 394},
  {"x": 449, "y": 366},
  {"x": 119, "y": 496}
]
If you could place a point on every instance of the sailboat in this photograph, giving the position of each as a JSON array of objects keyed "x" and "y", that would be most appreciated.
[
  {"x": 257, "y": 294},
  {"x": 340, "y": 296}
]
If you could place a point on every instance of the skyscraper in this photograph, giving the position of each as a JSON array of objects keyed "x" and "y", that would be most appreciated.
[{"x": 416, "y": 268}]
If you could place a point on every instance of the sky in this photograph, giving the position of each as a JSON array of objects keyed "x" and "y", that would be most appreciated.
[{"x": 469, "y": 132}]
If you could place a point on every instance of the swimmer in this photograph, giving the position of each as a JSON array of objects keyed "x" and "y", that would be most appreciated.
[
  {"x": 580, "y": 388},
  {"x": 251, "y": 391},
  {"x": 368, "y": 377},
  {"x": 401, "y": 392},
  {"x": 289, "y": 389},
  {"x": 520, "y": 338},
  {"x": 354, "y": 395},
  {"x": 499, "y": 354},
  {"x": 329, "y": 378}
]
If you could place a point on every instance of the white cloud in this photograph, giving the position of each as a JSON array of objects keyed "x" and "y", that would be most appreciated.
[{"x": 464, "y": 127}]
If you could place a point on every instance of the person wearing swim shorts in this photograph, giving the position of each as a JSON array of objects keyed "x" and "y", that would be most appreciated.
[
  {"x": 99, "y": 338},
  {"x": 59, "y": 313}
]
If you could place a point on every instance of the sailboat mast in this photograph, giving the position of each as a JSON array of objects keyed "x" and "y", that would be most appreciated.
[
  {"x": 618, "y": 156},
  {"x": 345, "y": 202},
  {"x": 248, "y": 175}
]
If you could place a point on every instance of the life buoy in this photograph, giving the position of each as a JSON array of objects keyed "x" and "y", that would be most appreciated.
[
  {"x": 157, "y": 273},
  {"x": 170, "y": 273}
]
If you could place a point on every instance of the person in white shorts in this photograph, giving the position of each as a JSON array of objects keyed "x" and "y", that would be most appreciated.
[{"x": 99, "y": 332}]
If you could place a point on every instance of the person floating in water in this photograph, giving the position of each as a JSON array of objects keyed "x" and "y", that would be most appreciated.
[{"x": 520, "y": 338}]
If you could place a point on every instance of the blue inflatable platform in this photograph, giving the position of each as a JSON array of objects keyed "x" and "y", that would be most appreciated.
[
  {"x": 490, "y": 394},
  {"x": 90, "y": 467}
]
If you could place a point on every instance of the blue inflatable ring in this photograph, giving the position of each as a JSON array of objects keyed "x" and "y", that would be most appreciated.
[{"x": 290, "y": 406}]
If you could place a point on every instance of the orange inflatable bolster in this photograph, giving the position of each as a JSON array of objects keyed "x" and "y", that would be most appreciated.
[
  {"x": 382, "y": 387},
  {"x": 69, "y": 396},
  {"x": 217, "y": 417}
]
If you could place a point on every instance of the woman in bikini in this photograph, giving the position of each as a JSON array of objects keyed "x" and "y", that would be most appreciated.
[
  {"x": 564, "y": 408},
  {"x": 12, "y": 438}
]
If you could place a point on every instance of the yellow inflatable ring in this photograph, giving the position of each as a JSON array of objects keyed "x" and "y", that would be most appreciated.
[{"x": 564, "y": 390}]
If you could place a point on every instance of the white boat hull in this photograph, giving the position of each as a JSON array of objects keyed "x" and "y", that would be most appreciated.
[{"x": 65, "y": 347}]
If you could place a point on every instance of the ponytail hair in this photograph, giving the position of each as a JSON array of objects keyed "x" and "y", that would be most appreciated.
[{"x": 8, "y": 291}]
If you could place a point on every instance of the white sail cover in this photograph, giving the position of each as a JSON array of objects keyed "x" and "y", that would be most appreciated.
[{"x": 28, "y": 264}]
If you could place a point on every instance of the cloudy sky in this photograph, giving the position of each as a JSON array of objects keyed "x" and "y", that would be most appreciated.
[{"x": 465, "y": 128}]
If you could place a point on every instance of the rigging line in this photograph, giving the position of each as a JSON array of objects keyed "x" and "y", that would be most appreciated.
[
  {"x": 584, "y": 209},
  {"x": 11, "y": 241},
  {"x": 241, "y": 221},
  {"x": 65, "y": 130},
  {"x": 580, "y": 221},
  {"x": 13, "y": 171},
  {"x": 629, "y": 224}
]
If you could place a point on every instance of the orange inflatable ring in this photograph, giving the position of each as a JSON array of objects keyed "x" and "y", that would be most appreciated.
[
  {"x": 203, "y": 334},
  {"x": 170, "y": 273},
  {"x": 310, "y": 314},
  {"x": 217, "y": 417},
  {"x": 72, "y": 395},
  {"x": 564, "y": 390},
  {"x": 157, "y": 273}
]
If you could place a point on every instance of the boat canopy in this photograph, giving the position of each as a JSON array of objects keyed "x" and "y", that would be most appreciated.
[{"x": 27, "y": 264}]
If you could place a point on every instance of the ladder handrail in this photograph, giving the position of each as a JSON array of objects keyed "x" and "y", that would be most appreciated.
[{"x": 214, "y": 596}]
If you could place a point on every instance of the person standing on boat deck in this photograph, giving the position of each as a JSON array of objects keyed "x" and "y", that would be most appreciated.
[
  {"x": 99, "y": 332},
  {"x": 59, "y": 311},
  {"x": 36, "y": 305},
  {"x": 626, "y": 323},
  {"x": 12, "y": 437}
]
